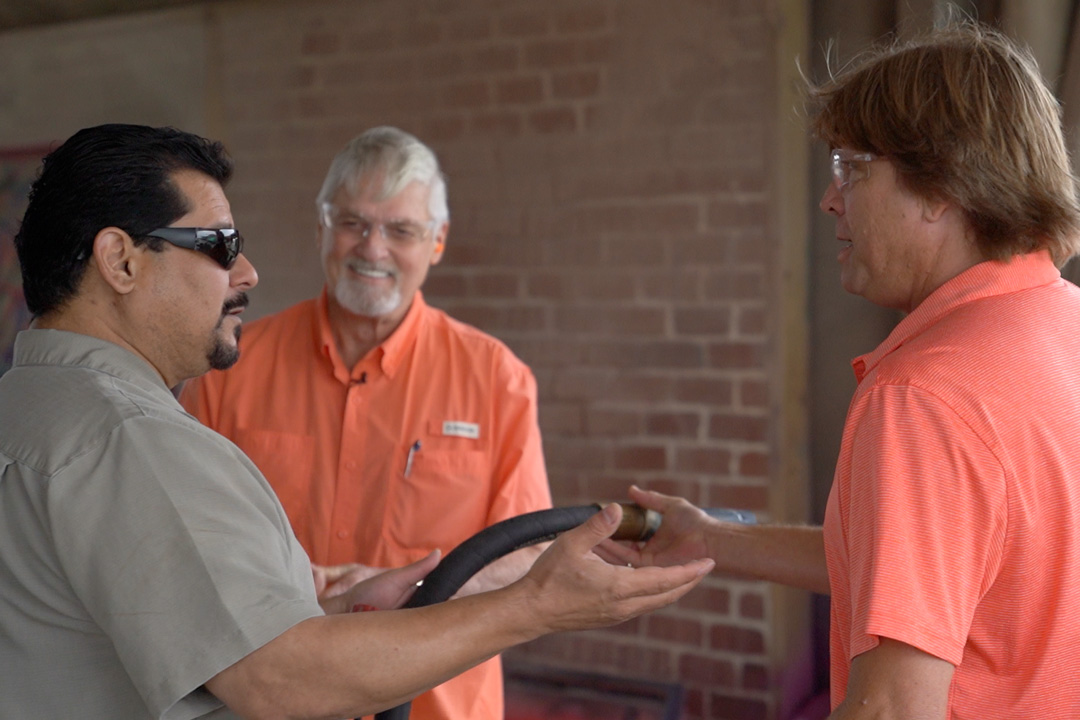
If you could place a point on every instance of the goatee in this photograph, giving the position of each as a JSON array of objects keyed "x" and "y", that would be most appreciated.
[{"x": 222, "y": 355}]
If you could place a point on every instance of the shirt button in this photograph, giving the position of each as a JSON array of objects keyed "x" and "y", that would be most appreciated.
[
  {"x": 351, "y": 465},
  {"x": 342, "y": 534}
]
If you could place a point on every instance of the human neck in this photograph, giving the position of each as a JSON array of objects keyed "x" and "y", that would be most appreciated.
[
  {"x": 84, "y": 316},
  {"x": 357, "y": 335},
  {"x": 957, "y": 251}
]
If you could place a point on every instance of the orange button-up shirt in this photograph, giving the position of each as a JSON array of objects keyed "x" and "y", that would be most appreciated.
[
  {"x": 954, "y": 519},
  {"x": 430, "y": 438}
]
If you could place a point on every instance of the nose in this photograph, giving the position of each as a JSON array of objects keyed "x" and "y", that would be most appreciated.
[
  {"x": 242, "y": 274},
  {"x": 832, "y": 202},
  {"x": 372, "y": 243}
]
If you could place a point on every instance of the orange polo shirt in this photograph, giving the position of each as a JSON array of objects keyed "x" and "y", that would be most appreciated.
[
  {"x": 953, "y": 524},
  {"x": 432, "y": 437}
]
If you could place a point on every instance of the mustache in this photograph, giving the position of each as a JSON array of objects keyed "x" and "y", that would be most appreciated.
[{"x": 240, "y": 300}]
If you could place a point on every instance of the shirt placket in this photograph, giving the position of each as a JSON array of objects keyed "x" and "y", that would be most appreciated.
[{"x": 349, "y": 482}]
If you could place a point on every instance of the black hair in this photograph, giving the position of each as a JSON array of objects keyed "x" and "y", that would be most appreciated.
[{"x": 105, "y": 176}]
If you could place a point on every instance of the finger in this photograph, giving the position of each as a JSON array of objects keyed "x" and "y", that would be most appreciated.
[
  {"x": 333, "y": 573},
  {"x": 347, "y": 581},
  {"x": 416, "y": 571},
  {"x": 429, "y": 562},
  {"x": 653, "y": 580},
  {"x": 674, "y": 575},
  {"x": 650, "y": 499},
  {"x": 670, "y": 588},
  {"x": 320, "y": 580},
  {"x": 618, "y": 553},
  {"x": 403, "y": 596},
  {"x": 598, "y": 527},
  {"x": 339, "y": 588},
  {"x": 606, "y": 521},
  {"x": 647, "y": 589}
]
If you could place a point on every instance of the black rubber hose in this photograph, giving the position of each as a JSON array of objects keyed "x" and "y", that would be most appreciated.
[{"x": 512, "y": 534}]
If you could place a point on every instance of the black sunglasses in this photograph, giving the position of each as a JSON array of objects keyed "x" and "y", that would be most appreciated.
[{"x": 222, "y": 245}]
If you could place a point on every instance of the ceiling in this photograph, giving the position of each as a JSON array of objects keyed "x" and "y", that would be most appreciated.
[{"x": 27, "y": 13}]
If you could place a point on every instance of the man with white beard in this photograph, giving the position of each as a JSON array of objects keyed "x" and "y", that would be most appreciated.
[{"x": 387, "y": 428}]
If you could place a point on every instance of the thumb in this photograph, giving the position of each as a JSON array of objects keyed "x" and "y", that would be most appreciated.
[
  {"x": 418, "y": 569},
  {"x": 421, "y": 568},
  {"x": 581, "y": 540},
  {"x": 411, "y": 574},
  {"x": 429, "y": 561},
  {"x": 601, "y": 525}
]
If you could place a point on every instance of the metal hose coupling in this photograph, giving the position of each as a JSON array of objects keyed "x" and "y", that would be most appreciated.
[{"x": 638, "y": 523}]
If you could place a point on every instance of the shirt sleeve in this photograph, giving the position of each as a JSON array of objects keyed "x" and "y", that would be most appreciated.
[
  {"x": 180, "y": 553},
  {"x": 520, "y": 477},
  {"x": 926, "y": 512}
]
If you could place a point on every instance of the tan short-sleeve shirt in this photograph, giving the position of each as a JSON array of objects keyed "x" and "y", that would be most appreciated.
[{"x": 140, "y": 552}]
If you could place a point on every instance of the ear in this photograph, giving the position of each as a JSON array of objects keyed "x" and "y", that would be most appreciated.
[
  {"x": 440, "y": 243},
  {"x": 116, "y": 259},
  {"x": 934, "y": 210}
]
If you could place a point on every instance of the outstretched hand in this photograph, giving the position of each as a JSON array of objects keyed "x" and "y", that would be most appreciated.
[
  {"x": 388, "y": 590},
  {"x": 571, "y": 588},
  {"x": 680, "y": 539}
]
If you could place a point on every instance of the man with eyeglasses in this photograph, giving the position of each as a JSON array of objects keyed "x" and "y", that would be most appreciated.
[
  {"x": 387, "y": 428},
  {"x": 952, "y": 533},
  {"x": 147, "y": 569}
]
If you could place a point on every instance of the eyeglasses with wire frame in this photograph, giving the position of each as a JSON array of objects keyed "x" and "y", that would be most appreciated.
[
  {"x": 850, "y": 166},
  {"x": 400, "y": 232},
  {"x": 222, "y": 245}
]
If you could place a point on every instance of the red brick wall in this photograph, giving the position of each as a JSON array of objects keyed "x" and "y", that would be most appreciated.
[{"x": 609, "y": 166}]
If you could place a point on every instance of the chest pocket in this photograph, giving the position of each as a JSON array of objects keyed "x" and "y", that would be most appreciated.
[
  {"x": 444, "y": 500},
  {"x": 287, "y": 460}
]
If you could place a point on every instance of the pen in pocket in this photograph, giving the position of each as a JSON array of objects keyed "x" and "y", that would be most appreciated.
[{"x": 412, "y": 453}]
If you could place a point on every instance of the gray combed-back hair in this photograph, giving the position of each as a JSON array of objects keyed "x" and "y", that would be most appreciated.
[{"x": 402, "y": 159}]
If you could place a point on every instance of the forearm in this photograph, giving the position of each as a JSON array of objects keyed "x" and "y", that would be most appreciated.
[
  {"x": 357, "y": 664},
  {"x": 786, "y": 554},
  {"x": 503, "y": 571}
]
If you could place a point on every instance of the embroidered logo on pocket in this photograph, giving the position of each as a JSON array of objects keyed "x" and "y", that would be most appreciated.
[{"x": 457, "y": 428}]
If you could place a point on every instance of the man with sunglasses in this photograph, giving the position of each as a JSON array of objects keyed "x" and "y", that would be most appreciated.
[
  {"x": 952, "y": 533},
  {"x": 147, "y": 569},
  {"x": 387, "y": 428}
]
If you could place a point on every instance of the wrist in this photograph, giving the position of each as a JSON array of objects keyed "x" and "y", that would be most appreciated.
[
  {"x": 717, "y": 537},
  {"x": 520, "y": 607}
]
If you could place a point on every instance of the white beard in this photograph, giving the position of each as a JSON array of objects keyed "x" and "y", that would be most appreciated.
[{"x": 365, "y": 301}]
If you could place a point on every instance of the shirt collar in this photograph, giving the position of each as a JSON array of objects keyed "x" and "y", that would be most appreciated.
[
  {"x": 387, "y": 356},
  {"x": 986, "y": 279},
  {"x": 403, "y": 338},
  {"x": 63, "y": 348}
]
